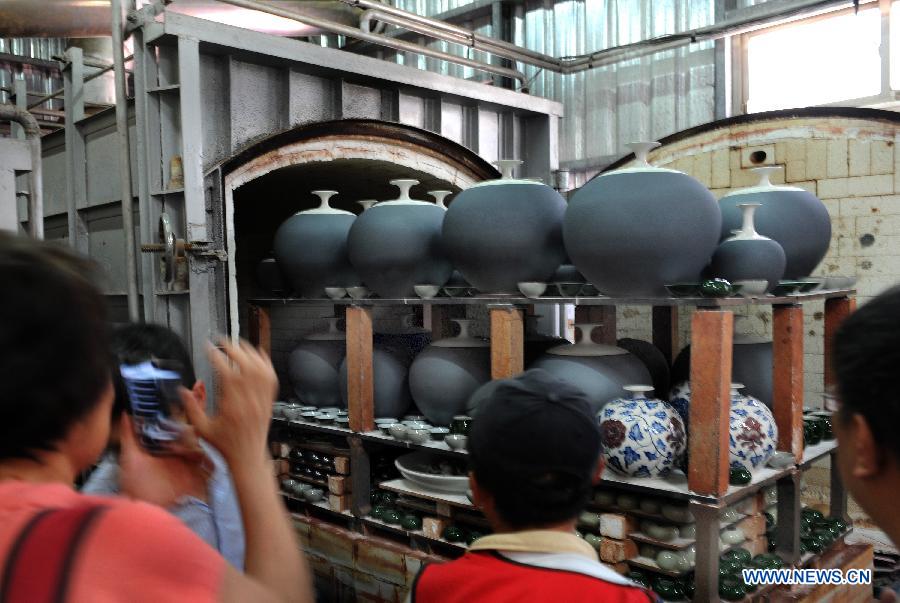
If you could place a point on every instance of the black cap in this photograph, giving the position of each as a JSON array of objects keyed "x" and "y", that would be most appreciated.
[{"x": 534, "y": 424}]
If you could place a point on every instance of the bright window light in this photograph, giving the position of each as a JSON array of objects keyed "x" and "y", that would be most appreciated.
[{"x": 821, "y": 61}]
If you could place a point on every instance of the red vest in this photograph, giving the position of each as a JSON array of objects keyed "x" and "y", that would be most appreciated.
[{"x": 488, "y": 576}]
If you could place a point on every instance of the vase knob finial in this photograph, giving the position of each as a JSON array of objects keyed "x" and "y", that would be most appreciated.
[
  {"x": 507, "y": 166},
  {"x": 765, "y": 173},
  {"x": 641, "y": 150},
  {"x": 324, "y": 197},
  {"x": 404, "y": 184}
]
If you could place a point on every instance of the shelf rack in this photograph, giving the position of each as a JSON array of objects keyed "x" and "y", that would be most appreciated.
[{"x": 705, "y": 487}]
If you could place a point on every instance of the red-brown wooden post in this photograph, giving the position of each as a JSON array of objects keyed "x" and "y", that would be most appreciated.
[
  {"x": 507, "y": 342},
  {"x": 836, "y": 310},
  {"x": 710, "y": 401},
  {"x": 360, "y": 383},
  {"x": 787, "y": 377},
  {"x": 260, "y": 328},
  {"x": 434, "y": 317}
]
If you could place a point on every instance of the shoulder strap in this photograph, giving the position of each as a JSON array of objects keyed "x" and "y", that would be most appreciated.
[{"x": 39, "y": 563}]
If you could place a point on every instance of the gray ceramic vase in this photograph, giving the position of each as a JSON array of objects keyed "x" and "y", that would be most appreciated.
[
  {"x": 499, "y": 233},
  {"x": 751, "y": 361},
  {"x": 747, "y": 255},
  {"x": 790, "y": 215},
  {"x": 600, "y": 371},
  {"x": 635, "y": 230},
  {"x": 311, "y": 249},
  {"x": 395, "y": 245},
  {"x": 444, "y": 376},
  {"x": 390, "y": 370},
  {"x": 314, "y": 367}
]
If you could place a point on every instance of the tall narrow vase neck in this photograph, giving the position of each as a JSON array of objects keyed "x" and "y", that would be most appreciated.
[
  {"x": 639, "y": 392},
  {"x": 765, "y": 174},
  {"x": 324, "y": 197},
  {"x": 507, "y": 167},
  {"x": 641, "y": 150},
  {"x": 404, "y": 185},
  {"x": 748, "y": 228},
  {"x": 439, "y": 197}
]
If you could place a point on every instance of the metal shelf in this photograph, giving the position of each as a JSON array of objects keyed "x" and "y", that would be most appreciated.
[
  {"x": 431, "y": 445},
  {"x": 703, "y": 302}
]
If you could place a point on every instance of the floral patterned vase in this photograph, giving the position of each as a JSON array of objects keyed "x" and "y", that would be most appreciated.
[
  {"x": 642, "y": 437},
  {"x": 753, "y": 434}
]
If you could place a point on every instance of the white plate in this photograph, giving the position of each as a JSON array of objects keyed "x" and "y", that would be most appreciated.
[{"x": 410, "y": 467}]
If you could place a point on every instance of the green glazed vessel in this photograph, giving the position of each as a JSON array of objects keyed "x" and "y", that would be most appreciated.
[
  {"x": 453, "y": 534},
  {"x": 742, "y": 556},
  {"x": 739, "y": 476},
  {"x": 391, "y": 516},
  {"x": 639, "y": 577},
  {"x": 716, "y": 287},
  {"x": 731, "y": 589},
  {"x": 411, "y": 522}
]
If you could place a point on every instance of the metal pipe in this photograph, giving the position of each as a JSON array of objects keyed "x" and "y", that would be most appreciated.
[
  {"x": 35, "y": 179},
  {"x": 354, "y": 32},
  {"x": 447, "y": 31},
  {"x": 124, "y": 159},
  {"x": 87, "y": 79}
]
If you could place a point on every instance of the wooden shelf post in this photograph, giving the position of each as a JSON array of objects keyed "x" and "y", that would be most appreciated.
[
  {"x": 836, "y": 310},
  {"x": 360, "y": 374},
  {"x": 260, "y": 328},
  {"x": 507, "y": 342},
  {"x": 787, "y": 377},
  {"x": 434, "y": 317},
  {"x": 710, "y": 401}
]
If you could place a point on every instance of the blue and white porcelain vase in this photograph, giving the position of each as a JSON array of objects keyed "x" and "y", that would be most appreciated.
[
  {"x": 642, "y": 437},
  {"x": 753, "y": 433}
]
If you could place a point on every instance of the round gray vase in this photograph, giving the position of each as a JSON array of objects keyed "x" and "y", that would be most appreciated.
[
  {"x": 395, "y": 245},
  {"x": 747, "y": 255},
  {"x": 499, "y": 233},
  {"x": 790, "y": 215},
  {"x": 314, "y": 367},
  {"x": 446, "y": 373},
  {"x": 633, "y": 231},
  {"x": 311, "y": 248}
]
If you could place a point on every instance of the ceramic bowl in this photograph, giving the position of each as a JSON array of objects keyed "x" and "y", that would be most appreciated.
[
  {"x": 427, "y": 291},
  {"x": 532, "y": 289},
  {"x": 627, "y": 502},
  {"x": 684, "y": 289},
  {"x": 568, "y": 289},
  {"x": 335, "y": 292},
  {"x": 786, "y": 288},
  {"x": 386, "y": 421},
  {"x": 589, "y": 290},
  {"x": 342, "y": 422},
  {"x": 386, "y": 427},
  {"x": 314, "y": 494},
  {"x": 399, "y": 431},
  {"x": 342, "y": 413},
  {"x": 292, "y": 413},
  {"x": 310, "y": 415},
  {"x": 288, "y": 484},
  {"x": 731, "y": 536},
  {"x": 358, "y": 292},
  {"x": 780, "y": 460},
  {"x": 752, "y": 288},
  {"x": 649, "y": 505},
  {"x": 277, "y": 410},
  {"x": 325, "y": 418},
  {"x": 679, "y": 513},
  {"x": 589, "y": 519},
  {"x": 604, "y": 499},
  {"x": 839, "y": 282},
  {"x": 688, "y": 530},
  {"x": 416, "y": 424},
  {"x": 456, "y": 291},
  {"x": 593, "y": 540},
  {"x": 331, "y": 410},
  {"x": 456, "y": 441},
  {"x": 439, "y": 433},
  {"x": 659, "y": 532},
  {"x": 668, "y": 560},
  {"x": 420, "y": 418},
  {"x": 418, "y": 435},
  {"x": 309, "y": 409},
  {"x": 301, "y": 488},
  {"x": 730, "y": 515}
]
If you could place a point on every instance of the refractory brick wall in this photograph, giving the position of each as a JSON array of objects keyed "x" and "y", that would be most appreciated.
[{"x": 849, "y": 163}]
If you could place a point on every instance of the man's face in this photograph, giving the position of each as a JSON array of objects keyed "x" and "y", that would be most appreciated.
[{"x": 861, "y": 463}]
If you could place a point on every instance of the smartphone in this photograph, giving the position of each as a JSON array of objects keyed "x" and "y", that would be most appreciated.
[{"x": 156, "y": 408}]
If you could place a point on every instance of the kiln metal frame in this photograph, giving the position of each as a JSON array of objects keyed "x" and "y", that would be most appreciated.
[{"x": 199, "y": 86}]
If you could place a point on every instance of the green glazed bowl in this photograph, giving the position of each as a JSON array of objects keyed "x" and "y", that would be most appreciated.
[
  {"x": 716, "y": 287},
  {"x": 742, "y": 556},
  {"x": 788, "y": 288},
  {"x": 411, "y": 521},
  {"x": 731, "y": 589},
  {"x": 377, "y": 511},
  {"x": 668, "y": 589},
  {"x": 639, "y": 577},
  {"x": 684, "y": 289},
  {"x": 739, "y": 476},
  {"x": 729, "y": 567},
  {"x": 770, "y": 520},
  {"x": 813, "y": 513},
  {"x": 391, "y": 516},
  {"x": 687, "y": 583},
  {"x": 771, "y": 544},
  {"x": 473, "y": 536},
  {"x": 453, "y": 534}
]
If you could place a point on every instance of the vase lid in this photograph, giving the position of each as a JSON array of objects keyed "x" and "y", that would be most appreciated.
[
  {"x": 404, "y": 184},
  {"x": 464, "y": 339},
  {"x": 507, "y": 166},
  {"x": 641, "y": 165},
  {"x": 324, "y": 206},
  {"x": 764, "y": 185},
  {"x": 332, "y": 334},
  {"x": 586, "y": 347}
]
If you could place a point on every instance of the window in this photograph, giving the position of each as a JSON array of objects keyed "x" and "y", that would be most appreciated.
[{"x": 822, "y": 60}]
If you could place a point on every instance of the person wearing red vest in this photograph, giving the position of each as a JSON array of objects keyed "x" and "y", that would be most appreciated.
[{"x": 535, "y": 455}]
